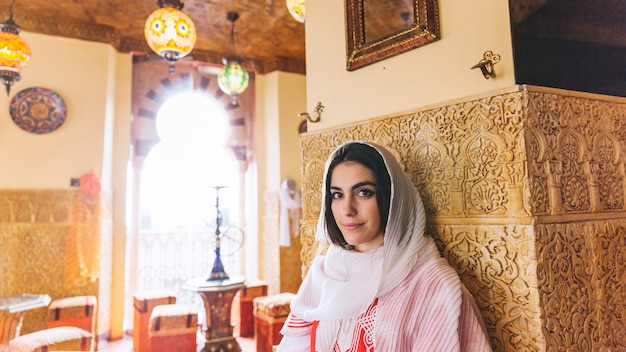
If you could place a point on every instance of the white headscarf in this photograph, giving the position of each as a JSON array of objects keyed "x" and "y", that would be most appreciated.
[{"x": 340, "y": 287}]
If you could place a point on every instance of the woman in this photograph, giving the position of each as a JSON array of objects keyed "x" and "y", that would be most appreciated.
[{"x": 382, "y": 285}]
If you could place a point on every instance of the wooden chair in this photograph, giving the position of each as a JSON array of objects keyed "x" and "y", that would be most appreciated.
[
  {"x": 270, "y": 314},
  {"x": 77, "y": 311},
  {"x": 144, "y": 302},
  {"x": 173, "y": 328}
]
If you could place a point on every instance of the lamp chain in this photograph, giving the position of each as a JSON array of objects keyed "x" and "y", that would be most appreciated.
[{"x": 233, "y": 53}]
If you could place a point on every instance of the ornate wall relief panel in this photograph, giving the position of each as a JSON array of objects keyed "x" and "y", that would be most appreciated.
[
  {"x": 525, "y": 195},
  {"x": 579, "y": 143},
  {"x": 497, "y": 265},
  {"x": 581, "y": 275},
  {"x": 34, "y": 231},
  {"x": 606, "y": 171}
]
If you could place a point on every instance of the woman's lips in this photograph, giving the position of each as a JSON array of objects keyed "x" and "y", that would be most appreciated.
[{"x": 351, "y": 226}]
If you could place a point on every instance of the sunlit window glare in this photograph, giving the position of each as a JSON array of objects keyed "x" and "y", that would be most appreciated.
[
  {"x": 180, "y": 172},
  {"x": 192, "y": 115}
]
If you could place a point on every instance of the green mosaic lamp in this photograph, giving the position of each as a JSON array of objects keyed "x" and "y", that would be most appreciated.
[{"x": 233, "y": 78}]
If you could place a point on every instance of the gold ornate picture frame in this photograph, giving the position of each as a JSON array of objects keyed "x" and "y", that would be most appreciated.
[{"x": 377, "y": 30}]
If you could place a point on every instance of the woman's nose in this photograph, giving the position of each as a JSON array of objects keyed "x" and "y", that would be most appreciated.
[{"x": 347, "y": 207}]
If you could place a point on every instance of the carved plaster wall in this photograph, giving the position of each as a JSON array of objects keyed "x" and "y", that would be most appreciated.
[
  {"x": 35, "y": 226},
  {"x": 524, "y": 190}
]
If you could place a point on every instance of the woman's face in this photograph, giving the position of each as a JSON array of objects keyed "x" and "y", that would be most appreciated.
[{"x": 354, "y": 206}]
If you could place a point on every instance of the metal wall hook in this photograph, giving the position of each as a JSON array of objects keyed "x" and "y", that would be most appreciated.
[
  {"x": 319, "y": 108},
  {"x": 487, "y": 63}
]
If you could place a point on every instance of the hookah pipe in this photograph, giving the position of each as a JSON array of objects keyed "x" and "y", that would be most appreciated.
[{"x": 218, "y": 273}]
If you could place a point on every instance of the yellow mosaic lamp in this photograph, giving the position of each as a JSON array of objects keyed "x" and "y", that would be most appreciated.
[
  {"x": 14, "y": 51},
  {"x": 297, "y": 9},
  {"x": 169, "y": 32}
]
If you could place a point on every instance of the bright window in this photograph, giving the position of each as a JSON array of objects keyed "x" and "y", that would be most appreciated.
[{"x": 180, "y": 173}]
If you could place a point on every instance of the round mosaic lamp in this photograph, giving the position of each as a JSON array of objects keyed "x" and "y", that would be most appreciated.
[
  {"x": 170, "y": 32},
  {"x": 297, "y": 9},
  {"x": 233, "y": 78},
  {"x": 14, "y": 52}
]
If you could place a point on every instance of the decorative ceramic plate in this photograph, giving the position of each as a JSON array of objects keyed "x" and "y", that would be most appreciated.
[{"x": 38, "y": 110}]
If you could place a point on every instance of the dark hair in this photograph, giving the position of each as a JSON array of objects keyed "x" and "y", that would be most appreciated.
[{"x": 371, "y": 159}]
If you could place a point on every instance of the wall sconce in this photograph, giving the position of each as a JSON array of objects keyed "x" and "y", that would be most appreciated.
[
  {"x": 487, "y": 63},
  {"x": 319, "y": 108}
]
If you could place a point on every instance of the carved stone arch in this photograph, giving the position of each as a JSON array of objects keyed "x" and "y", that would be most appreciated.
[
  {"x": 153, "y": 85},
  {"x": 428, "y": 154},
  {"x": 427, "y": 165},
  {"x": 572, "y": 152},
  {"x": 469, "y": 145},
  {"x": 537, "y": 145},
  {"x": 602, "y": 145},
  {"x": 564, "y": 140},
  {"x": 238, "y": 115},
  {"x": 538, "y": 153},
  {"x": 606, "y": 170},
  {"x": 486, "y": 157},
  {"x": 150, "y": 91}
]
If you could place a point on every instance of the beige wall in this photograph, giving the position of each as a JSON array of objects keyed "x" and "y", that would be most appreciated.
[
  {"x": 280, "y": 98},
  {"x": 81, "y": 72},
  {"x": 292, "y": 93},
  {"x": 430, "y": 74}
]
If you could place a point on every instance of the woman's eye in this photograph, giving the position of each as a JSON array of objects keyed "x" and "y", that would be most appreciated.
[
  {"x": 365, "y": 193},
  {"x": 335, "y": 195}
]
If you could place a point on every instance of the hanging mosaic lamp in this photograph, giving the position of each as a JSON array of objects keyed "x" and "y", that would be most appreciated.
[
  {"x": 296, "y": 9},
  {"x": 233, "y": 78},
  {"x": 14, "y": 51},
  {"x": 169, "y": 32}
]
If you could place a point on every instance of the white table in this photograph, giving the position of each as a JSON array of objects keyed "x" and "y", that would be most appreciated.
[{"x": 12, "y": 310}]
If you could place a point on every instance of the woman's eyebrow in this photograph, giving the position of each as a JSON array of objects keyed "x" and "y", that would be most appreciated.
[
  {"x": 356, "y": 186},
  {"x": 364, "y": 183}
]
